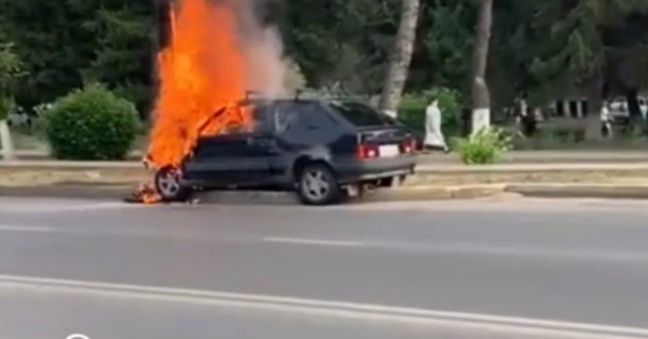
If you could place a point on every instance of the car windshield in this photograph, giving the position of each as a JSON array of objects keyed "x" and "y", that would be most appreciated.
[{"x": 362, "y": 115}]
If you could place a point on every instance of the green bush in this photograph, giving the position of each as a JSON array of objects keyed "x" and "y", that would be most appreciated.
[
  {"x": 412, "y": 110},
  {"x": 485, "y": 147},
  {"x": 10, "y": 70},
  {"x": 91, "y": 124},
  {"x": 6, "y": 105}
]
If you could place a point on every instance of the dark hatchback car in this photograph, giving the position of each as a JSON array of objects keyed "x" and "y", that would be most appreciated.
[{"x": 319, "y": 148}]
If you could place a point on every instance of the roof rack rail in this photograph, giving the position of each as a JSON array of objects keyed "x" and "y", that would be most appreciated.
[
  {"x": 305, "y": 94},
  {"x": 362, "y": 98}
]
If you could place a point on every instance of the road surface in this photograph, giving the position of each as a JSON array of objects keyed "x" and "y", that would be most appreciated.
[{"x": 510, "y": 268}]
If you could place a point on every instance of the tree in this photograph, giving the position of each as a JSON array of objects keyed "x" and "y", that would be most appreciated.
[
  {"x": 598, "y": 45},
  {"x": 124, "y": 53},
  {"x": 401, "y": 57},
  {"x": 445, "y": 38},
  {"x": 10, "y": 67},
  {"x": 344, "y": 44},
  {"x": 63, "y": 46},
  {"x": 480, "y": 93}
]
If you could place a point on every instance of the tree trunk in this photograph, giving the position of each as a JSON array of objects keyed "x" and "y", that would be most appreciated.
[
  {"x": 634, "y": 110},
  {"x": 593, "y": 122},
  {"x": 8, "y": 152},
  {"x": 480, "y": 93},
  {"x": 401, "y": 57}
]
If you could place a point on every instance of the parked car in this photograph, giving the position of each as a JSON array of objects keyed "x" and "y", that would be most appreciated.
[
  {"x": 620, "y": 112},
  {"x": 319, "y": 148}
]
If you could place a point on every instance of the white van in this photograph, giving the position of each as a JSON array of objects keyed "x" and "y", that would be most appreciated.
[{"x": 620, "y": 113}]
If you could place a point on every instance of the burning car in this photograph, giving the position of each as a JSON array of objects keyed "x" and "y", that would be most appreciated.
[
  {"x": 209, "y": 134},
  {"x": 319, "y": 148}
]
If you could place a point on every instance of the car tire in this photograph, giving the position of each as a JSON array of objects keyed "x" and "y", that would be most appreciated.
[
  {"x": 317, "y": 185},
  {"x": 168, "y": 185}
]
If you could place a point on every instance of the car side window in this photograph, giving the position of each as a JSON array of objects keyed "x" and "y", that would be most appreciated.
[
  {"x": 309, "y": 123},
  {"x": 285, "y": 119},
  {"x": 262, "y": 120},
  {"x": 314, "y": 116}
]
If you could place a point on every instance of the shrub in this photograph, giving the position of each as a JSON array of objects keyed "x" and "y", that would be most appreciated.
[
  {"x": 485, "y": 147},
  {"x": 10, "y": 70},
  {"x": 91, "y": 124},
  {"x": 413, "y": 106},
  {"x": 6, "y": 105}
]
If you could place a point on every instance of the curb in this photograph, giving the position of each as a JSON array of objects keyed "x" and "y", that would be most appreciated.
[
  {"x": 413, "y": 194},
  {"x": 605, "y": 191}
]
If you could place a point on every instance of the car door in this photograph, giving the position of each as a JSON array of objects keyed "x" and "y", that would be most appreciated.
[
  {"x": 236, "y": 158},
  {"x": 261, "y": 147},
  {"x": 302, "y": 129}
]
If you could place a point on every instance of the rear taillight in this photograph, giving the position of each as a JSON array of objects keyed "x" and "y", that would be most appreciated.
[
  {"x": 368, "y": 151},
  {"x": 409, "y": 146}
]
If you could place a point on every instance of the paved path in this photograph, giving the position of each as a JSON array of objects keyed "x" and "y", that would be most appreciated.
[
  {"x": 481, "y": 269},
  {"x": 570, "y": 156},
  {"x": 543, "y": 157}
]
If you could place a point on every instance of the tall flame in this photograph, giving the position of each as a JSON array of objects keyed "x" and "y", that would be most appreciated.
[{"x": 202, "y": 71}]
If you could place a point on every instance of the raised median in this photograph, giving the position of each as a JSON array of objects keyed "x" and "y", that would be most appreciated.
[{"x": 432, "y": 181}]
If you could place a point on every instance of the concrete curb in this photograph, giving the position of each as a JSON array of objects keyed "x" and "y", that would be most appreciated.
[
  {"x": 116, "y": 180},
  {"x": 429, "y": 193},
  {"x": 607, "y": 191}
]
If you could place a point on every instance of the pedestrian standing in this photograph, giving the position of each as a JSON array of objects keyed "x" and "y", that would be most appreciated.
[
  {"x": 434, "y": 138},
  {"x": 606, "y": 123}
]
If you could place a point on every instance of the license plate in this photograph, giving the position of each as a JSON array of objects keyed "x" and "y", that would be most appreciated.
[{"x": 388, "y": 151}]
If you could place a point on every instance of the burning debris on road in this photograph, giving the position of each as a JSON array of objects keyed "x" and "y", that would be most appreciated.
[{"x": 216, "y": 50}]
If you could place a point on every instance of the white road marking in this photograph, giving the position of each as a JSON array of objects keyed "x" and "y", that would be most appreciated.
[
  {"x": 33, "y": 229},
  {"x": 585, "y": 254},
  {"x": 346, "y": 310},
  {"x": 313, "y": 242}
]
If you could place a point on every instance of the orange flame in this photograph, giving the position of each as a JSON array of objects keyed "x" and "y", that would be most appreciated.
[{"x": 202, "y": 72}]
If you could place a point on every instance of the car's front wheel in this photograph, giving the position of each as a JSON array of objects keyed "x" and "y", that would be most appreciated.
[
  {"x": 318, "y": 185},
  {"x": 168, "y": 185}
]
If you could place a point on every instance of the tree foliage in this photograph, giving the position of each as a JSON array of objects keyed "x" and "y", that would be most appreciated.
[
  {"x": 10, "y": 70},
  {"x": 540, "y": 49},
  {"x": 66, "y": 43}
]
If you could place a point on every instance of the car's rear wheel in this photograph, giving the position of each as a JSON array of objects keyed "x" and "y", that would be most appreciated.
[
  {"x": 318, "y": 185},
  {"x": 169, "y": 186}
]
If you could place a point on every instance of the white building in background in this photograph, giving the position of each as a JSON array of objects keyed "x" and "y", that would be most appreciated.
[{"x": 578, "y": 108}]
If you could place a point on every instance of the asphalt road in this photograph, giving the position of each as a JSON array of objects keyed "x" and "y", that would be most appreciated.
[{"x": 509, "y": 268}]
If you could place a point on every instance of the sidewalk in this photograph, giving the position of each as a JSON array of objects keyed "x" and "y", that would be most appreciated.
[
  {"x": 539, "y": 157},
  {"x": 525, "y": 157}
]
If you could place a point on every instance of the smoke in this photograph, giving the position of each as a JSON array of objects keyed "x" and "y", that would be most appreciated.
[
  {"x": 263, "y": 50},
  {"x": 261, "y": 46}
]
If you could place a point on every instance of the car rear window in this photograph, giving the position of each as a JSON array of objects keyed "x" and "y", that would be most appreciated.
[{"x": 362, "y": 115}]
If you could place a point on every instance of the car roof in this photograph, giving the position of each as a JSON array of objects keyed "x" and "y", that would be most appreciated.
[{"x": 253, "y": 99}]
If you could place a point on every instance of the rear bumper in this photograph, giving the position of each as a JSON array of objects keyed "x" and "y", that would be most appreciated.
[{"x": 356, "y": 170}]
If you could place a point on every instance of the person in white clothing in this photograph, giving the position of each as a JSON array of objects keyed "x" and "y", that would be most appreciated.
[
  {"x": 606, "y": 121},
  {"x": 434, "y": 138}
]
